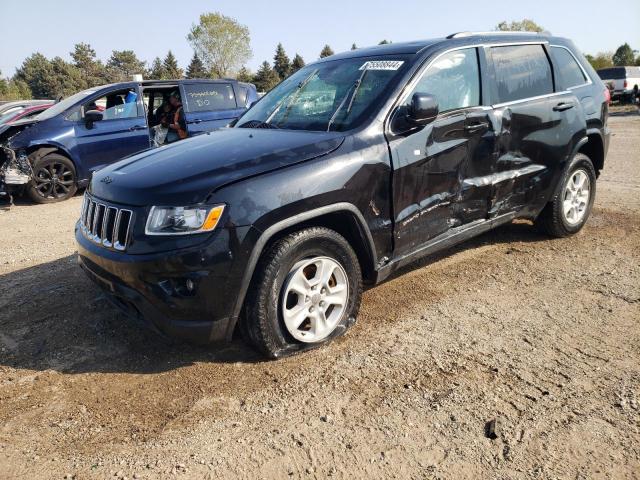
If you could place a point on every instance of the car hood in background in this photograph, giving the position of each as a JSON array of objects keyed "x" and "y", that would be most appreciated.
[{"x": 186, "y": 172}]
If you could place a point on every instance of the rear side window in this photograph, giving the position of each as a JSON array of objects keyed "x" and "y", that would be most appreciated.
[
  {"x": 201, "y": 97},
  {"x": 522, "y": 71},
  {"x": 569, "y": 74}
]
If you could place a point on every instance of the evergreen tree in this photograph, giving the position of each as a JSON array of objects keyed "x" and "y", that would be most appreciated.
[
  {"x": 35, "y": 72},
  {"x": 66, "y": 79},
  {"x": 266, "y": 78},
  {"x": 171, "y": 69},
  {"x": 354, "y": 46},
  {"x": 326, "y": 51},
  {"x": 281, "y": 63},
  {"x": 196, "y": 68},
  {"x": 297, "y": 64},
  {"x": 122, "y": 65},
  {"x": 384, "y": 42},
  {"x": 85, "y": 59},
  {"x": 157, "y": 69},
  {"x": 49, "y": 78},
  {"x": 244, "y": 75}
]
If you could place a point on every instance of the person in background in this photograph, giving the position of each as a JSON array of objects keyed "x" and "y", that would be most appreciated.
[{"x": 177, "y": 125}]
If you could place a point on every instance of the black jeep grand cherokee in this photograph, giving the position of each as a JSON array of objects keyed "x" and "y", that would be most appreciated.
[{"x": 351, "y": 168}]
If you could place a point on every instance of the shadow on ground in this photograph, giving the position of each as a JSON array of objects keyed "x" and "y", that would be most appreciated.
[{"x": 53, "y": 318}]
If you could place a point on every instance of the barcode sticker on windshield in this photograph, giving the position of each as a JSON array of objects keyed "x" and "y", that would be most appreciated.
[{"x": 382, "y": 65}]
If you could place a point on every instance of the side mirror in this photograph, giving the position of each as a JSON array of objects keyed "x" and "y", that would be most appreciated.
[
  {"x": 423, "y": 109},
  {"x": 92, "y": 116}
]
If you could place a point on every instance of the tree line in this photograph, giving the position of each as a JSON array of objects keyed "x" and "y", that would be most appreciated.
[{"x": 221, "y": 48}]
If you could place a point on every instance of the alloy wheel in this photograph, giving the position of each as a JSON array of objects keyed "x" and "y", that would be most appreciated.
[
  {"x": 576, "y": 197},
  {"x": 315, "y": 296},
  {"x": 54, "y": 180}
]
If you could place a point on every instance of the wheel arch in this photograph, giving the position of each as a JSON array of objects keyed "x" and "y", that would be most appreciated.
[
  {"x": 345, "y": 218},
  {"x": 36, "y": 152},
  {"x": 594, "y": 149}
]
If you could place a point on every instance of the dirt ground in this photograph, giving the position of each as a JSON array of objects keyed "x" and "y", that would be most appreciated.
[{"x": 542, "y": 335}]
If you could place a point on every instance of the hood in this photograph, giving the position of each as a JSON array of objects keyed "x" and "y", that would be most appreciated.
[
  {"x": 186, "y": 172},
  {"x": 11, "y": 129}
]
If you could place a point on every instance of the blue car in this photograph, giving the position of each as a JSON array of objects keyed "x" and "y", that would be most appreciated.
[{"x": 52, "y": 155}]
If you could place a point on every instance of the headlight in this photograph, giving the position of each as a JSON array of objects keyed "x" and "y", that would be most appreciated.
[{"x": 183, "y": 220}]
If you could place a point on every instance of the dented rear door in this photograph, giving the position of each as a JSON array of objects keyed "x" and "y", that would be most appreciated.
[{"x": 536, "y": 126}]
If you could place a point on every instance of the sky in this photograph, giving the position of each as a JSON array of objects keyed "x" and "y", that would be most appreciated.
[{"x": 151, "y": 28}]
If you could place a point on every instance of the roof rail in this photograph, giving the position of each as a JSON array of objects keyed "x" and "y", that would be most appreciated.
[{"x": 497, "y": 32}]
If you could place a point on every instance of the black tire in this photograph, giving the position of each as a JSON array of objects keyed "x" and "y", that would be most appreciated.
[
  {"x": 263, "y": 321},
  {"x": 553, "y": 220},
  {"x": 54, "y": 179}
]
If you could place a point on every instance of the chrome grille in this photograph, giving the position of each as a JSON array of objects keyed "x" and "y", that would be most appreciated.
[{"x": 104, "y": 224}]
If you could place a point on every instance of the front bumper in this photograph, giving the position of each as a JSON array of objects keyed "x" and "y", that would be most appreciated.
[{"x": 153, "y": 288}]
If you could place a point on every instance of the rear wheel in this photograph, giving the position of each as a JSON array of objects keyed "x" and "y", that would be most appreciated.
[
  {"x": 306, "y": 291},
  {"x": 569, "y": 209},
  {"x": 54, "y": 179}
]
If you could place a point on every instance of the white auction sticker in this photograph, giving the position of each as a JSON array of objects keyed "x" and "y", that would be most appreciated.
[{"x": 382, "y": 65}]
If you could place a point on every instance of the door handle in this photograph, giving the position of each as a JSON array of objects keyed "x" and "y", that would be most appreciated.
[
  {"x": 561, "y": 107},
  {"x": 476, "y": 127},
  {"x": 195, "y": 120},
  {"x": 137, "y": 127}
]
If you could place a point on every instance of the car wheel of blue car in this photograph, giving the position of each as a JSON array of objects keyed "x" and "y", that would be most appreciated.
[{"x": 54, "y": 179}]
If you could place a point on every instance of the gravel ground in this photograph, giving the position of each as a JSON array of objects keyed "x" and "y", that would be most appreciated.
[{"x": 542, "y": 335}]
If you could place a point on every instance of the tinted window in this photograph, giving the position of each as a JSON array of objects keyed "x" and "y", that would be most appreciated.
[
  {"x": 611, "y": 73},
  {"x": 202, "y": 97},
  {"x": 454, "y": 79},
  {"x": 569, "y": 74},
  {"x": 522, "y": 71}
]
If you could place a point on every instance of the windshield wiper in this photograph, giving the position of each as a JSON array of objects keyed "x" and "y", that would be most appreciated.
[
  {"x": 292, "y": 97},
  {"x": 356, "y": 88}
]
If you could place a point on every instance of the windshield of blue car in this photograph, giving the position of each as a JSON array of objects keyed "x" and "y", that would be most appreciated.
[
  {"x": 333, "y": 95},
  {"x": 64, "y": 104}
]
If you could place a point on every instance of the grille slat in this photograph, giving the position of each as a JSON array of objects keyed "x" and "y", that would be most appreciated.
[{"x": 104, "y": 224}]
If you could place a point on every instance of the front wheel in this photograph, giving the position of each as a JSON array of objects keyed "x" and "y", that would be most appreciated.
[
  {"x": 569, "y": 209},
  {"x": 54, "y": 179},
  {"x": 306, "y": 291}
]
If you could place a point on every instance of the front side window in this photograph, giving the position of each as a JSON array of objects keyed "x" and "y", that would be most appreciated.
[
  {"x": 521, "y": 71},
  {"x": 454, "y": 79},
  {"x": 335, "y": 95},
  {"x": 203, "y": 97},
  {"x": 568, "y": 72},
  {"x": 115, "y": 105}
]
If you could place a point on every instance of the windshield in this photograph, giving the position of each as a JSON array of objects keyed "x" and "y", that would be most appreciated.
[
  {"x": 62, "y": 105},
  {"x": 329, "y": 96}
]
